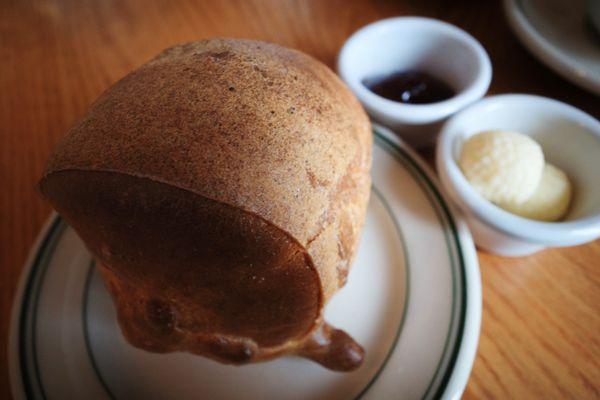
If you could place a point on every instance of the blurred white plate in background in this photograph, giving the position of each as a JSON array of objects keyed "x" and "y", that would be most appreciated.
[{"x": 559, "y": 33}]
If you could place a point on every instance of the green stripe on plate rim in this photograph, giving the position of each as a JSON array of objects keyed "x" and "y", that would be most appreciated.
[
  {"x": 446, "y": 220},
  {"x": 443, "y": 214},
  {"x": 34, "y": 281}
]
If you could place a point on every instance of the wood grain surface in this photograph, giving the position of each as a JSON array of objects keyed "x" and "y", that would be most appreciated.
[{"x": 541, "y": 314}]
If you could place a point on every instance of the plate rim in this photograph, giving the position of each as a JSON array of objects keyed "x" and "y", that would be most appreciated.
[
  {"x": 467, "y": 349},
  {"x": 544, "y": 50},
  {"x": 14, "y": 343},
  {"x": 456, "y": 372}
]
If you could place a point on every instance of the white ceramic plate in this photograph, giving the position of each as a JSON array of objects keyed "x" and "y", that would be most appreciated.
[
  {"x": 413, "y": 300},
  {"x": 557, "y": 32}
]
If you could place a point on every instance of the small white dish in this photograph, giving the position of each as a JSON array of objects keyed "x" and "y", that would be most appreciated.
[
  {"x": 414, "y": 304},
  {"x": 570, "y": 140},
  {"x": 414, "y": 43},
  {"x": 557, "y": 33}
]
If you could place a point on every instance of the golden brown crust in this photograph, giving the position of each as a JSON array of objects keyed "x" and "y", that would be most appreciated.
[{"x": 251, "y": 126}]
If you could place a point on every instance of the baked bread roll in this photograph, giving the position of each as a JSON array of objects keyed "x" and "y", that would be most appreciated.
[{"x": 222, "y": 187}]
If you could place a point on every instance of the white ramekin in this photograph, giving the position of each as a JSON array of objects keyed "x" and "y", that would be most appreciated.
[
  {"x": 570, "y": 140},
  {"x": 415, "y": 43}
]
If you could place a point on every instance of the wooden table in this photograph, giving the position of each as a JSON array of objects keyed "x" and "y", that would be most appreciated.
[{"x": 541, "y": 314}]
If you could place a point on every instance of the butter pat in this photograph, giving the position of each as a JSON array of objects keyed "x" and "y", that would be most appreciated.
[
  {"x": 504, "y": 167},
  {"x": 551, "y": 199}
]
